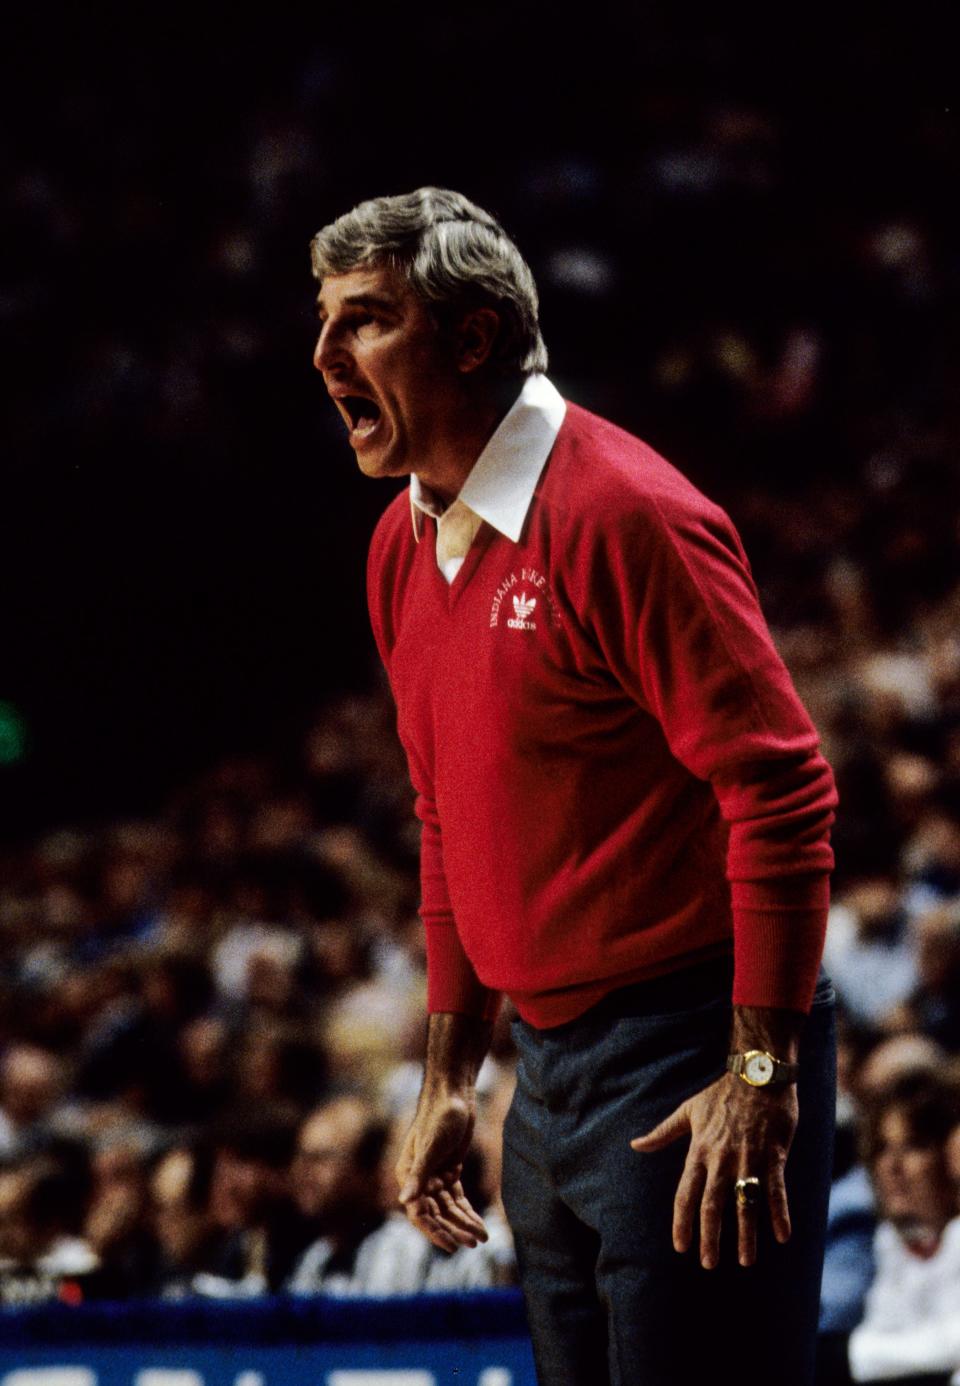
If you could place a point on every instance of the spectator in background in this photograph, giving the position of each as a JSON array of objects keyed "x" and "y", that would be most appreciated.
[
  {"x": 343, "y": 1182},
  {"x": 260, "y": 1232},
  {"x": 934, "y": 1006},
  {"x": 869, "y": 952},
  {"x": 187, "y": 1236},
  {"x": 42, "y": 1254},
  {"x": 336, "y": 1184},
  {"x": 117, "y": 1225},
  {"x": 912, "y": 1321},
  {"x": 133, "y": 1054},
  {"x": 205, "y": 1063},
  {"x": 31, "y": 1082}
]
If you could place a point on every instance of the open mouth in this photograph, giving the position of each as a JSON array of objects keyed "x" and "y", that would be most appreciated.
[{"x": 362, "y": 415}]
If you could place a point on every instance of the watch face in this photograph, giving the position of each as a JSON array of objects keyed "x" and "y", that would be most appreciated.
[{"x": 758, "y": 1069}]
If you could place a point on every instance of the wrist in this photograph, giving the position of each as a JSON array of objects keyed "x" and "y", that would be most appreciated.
[
  {"x": 758, "y": 1068},
  {"x": 767, "y": 1029},
  {"x": 456, "y": 1046}
]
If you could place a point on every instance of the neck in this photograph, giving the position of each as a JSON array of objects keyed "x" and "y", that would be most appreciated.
[
  {"x": 478, "y": 418},
  {"x": 921, "y": 1238}
]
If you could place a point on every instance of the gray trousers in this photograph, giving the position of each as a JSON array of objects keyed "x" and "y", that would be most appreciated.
[{"x": 608, "y": 1299}]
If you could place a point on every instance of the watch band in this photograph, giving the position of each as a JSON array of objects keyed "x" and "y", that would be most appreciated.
[{"x": 760, "y": 1069}]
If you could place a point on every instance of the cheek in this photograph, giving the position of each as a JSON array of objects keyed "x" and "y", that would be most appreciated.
[{"x": 923, "y": 1168}]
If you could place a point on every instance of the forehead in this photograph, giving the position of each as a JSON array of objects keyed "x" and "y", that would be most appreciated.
[
  {"x": 337, "y": 1126},
  {"x": 377, "y": 282}
]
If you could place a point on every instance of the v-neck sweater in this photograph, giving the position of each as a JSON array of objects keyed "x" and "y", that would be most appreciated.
[{"x": 613, "y": 771}]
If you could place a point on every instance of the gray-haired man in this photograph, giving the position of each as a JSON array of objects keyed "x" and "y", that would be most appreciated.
[{"x": 625, "y": 825}]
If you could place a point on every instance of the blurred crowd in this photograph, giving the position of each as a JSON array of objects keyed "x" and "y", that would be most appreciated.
[{"x": 211, "y": 1032}]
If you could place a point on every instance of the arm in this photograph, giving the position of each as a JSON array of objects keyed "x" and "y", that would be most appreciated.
[
  {"x": 461, "y": 1008},
  {"x": 730, "y": 715},
  {"x": 431, "y": 1160}
]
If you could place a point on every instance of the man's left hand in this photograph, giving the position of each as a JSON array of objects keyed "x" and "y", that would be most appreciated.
[{"x": 735, "y": 1132}]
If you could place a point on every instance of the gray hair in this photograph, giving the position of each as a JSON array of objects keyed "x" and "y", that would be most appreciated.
[{"x": 453, "y": 254}]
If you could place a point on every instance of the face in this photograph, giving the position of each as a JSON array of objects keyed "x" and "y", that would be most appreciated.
[
  {"x": 325, "y": 1173},
  {"x": 179, "y": 1227},
  {"x": 241, "y": 1189},
  {"x": 912, "y": 1180},
  {"x": 391, "y": 374}
]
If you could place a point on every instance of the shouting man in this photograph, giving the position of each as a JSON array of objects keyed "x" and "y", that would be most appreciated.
[{"x": 625, "y": 826}]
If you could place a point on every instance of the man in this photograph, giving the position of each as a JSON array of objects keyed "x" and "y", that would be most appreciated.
[
  {"x": 625, "y": 822},
  {"x": 363, "y": 1245},
  {"x": 336, "y": 1185},
  {"x": 257, "y": 1232}
]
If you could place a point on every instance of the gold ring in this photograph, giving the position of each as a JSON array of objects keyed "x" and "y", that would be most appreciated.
[{"x": 748, "y": 1191}]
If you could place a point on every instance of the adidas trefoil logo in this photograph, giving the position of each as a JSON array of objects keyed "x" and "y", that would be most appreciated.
[{"x": 523, "y": 608}]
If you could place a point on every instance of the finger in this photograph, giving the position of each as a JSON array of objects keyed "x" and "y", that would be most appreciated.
[
  {"x": 438, "y": 1235},
  {"x": 426, "y": 1223},
  {"x": 429, "y": 1218},
  {"x": 674, "y": 1126},
  {"x": 747, "y": 1217},
  {"x": 441, "y": 1213},
  {"x": 711, "y": 1217},
  {"x": 466, "y": 1211},
  {"x": 777, "y": 1197},
  {"x": 464, "y": 1219},
  {"x": 685, "y": 1204}
]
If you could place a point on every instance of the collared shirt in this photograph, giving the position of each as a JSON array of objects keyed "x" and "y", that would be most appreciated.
[{"x": 502, "y": 481}]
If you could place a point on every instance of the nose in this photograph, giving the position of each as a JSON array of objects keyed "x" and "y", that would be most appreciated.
[{"x": 329, "y": 352}]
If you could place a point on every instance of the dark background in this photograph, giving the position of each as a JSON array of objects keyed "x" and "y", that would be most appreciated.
[{"x": 711, "y": 202}]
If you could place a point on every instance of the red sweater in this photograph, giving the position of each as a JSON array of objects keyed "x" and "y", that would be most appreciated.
[{"x": 613, "y": 771}]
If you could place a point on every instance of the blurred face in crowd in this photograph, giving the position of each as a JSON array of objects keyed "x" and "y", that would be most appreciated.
[
  {"x": 242, "y": 1190},
  {"x": 326, "y": 1177},
  {"x": 180, "y": 1227},
  {"x": 30, "y": 1081},
  {"x": 912, "y": 1179}
]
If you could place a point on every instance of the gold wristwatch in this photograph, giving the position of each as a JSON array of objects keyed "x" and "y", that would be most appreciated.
[{"x": 762, "y": 1070}]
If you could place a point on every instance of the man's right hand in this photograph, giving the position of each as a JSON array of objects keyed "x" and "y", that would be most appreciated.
[
  {"x": 428, "y": 1172},
  {"x": 431, "y": 1161}
]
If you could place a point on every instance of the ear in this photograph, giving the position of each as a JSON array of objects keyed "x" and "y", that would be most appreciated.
[{"x": 475, "y": 335}]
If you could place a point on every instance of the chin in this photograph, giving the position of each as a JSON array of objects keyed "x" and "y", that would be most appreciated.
[{"x": 379, "y": 467}]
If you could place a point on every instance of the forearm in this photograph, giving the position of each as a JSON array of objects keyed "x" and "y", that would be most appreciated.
[
  {"x": 456, "y": 1046},
  {"x": 773, "y": 1029},
  {"x": 428, "y": 1170}
]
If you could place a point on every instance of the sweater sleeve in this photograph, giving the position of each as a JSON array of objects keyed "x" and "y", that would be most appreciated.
[
  {"x": 452, "y": 983},
  {"x": 687, "y": 638}
]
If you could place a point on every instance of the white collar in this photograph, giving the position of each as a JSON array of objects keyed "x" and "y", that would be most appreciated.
[{"x": 502, "y": 481}]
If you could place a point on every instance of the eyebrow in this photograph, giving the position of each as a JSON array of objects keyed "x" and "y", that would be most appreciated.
[{"x": 376, "y": 301}]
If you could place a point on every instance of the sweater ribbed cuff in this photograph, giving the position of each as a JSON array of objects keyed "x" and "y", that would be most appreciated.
[
  {"x": 778, "y": 932},
  {"x": 452, "y": 984}
]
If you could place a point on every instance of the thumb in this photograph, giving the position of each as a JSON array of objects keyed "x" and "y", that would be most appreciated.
[
  {"x": 674, "y": 1126},
  {"x": 412, "y": 1186},
  {"x": 417, "y": 1176}
]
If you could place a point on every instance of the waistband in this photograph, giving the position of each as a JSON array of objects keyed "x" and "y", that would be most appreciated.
[{"x": 684, "y": 988}]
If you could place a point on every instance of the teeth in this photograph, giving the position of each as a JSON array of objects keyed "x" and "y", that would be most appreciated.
[{"x": 364, "y": 428}]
